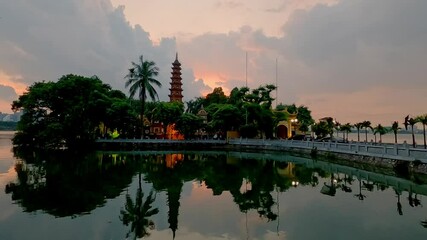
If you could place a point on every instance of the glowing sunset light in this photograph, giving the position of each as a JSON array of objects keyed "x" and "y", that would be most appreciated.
[{"x": 331, "y": 53}]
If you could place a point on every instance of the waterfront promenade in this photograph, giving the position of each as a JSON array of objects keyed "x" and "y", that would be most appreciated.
[{"x": 368, "y": 150}]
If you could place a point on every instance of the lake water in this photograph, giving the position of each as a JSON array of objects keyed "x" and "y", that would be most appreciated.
[{"x": 202, "y": 195}]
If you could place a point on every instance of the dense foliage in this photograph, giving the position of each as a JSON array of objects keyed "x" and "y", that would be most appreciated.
[{"x": 69, "y": 112}]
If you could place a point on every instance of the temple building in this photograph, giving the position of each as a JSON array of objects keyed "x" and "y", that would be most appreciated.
[
  {"x": 288, "y": 128},
  {"x": 175, "y": 96},
  {"x": 176, "y": 83}
]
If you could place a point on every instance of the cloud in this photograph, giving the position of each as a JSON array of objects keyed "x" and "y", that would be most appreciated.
[
  {"x": 333, "y": 51},
  {"x": 369, "y": 55},
  {"x": 228, "y": 4},
  {"x": 289, "y": 6},
  {"x": 357, "y": 44},
  {"x": 43, "y": 40},
  {"x": 7, "y": 93}
]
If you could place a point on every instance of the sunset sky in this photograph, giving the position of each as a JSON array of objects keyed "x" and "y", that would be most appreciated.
[{"x": 353, "y": 60}]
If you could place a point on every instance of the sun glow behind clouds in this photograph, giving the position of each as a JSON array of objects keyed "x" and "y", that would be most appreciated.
[
  {"x": 221, "y": 16},
  {"x": 13, "y": 87},
  {"x": 11, "y": 81}
]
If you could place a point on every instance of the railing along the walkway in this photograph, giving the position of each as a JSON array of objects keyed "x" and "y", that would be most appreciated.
[{"x": 392, "y": 151}]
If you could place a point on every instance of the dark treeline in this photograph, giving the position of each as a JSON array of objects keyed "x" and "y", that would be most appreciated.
[
  {"x": 76, "y": 110},
  {"x": 8, "y": 126}
]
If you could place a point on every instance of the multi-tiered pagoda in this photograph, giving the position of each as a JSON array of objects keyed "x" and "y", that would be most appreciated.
[{"x": 176, "y": 84}]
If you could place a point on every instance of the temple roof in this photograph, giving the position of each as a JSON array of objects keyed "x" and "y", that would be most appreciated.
[
  {"x": 202, "y": 112},
  {"x": 176, "y": 62}
]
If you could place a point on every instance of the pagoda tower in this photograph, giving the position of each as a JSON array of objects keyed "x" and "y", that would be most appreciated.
[{"x": 176, "y": 84}]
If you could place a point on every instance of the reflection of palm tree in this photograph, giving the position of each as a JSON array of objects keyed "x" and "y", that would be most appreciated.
[
  {"x": 366, "y": 125},
  {"x": 417, "y": 201},
  {"x": 399, "y": 205},
  {"x": 137, "y": 213},
  {"x": 360, "y": 195},
  {"x": 329, "y": 189},
  {"x": 344, "y": 186}
]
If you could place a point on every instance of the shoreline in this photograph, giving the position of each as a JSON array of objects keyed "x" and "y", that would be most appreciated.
[{"x": 385, "y": 162}]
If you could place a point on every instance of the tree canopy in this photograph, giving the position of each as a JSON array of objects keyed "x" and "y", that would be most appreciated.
[{"x": 67, "y": 112}]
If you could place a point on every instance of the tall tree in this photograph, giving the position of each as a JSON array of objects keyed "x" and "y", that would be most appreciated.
[
  {"x": 395, "y": 127},
  {"x": 380, "y": 130},
  {"x": 194, "y": 106},
  {"x": 217, "y": 96},
  {"x": 188, "y": 124},
  {"x": 68, "y": 112},
  {"x": 168, "y": 112},
  {"x": 141, "y": 79},
  {"x": 410, "y": 122},
  {"x": 358, "y": 126},
  {"x": 423, "y": 120},
  {"x": 346, "y": 128},
  {"x": 366, "y": 125}
]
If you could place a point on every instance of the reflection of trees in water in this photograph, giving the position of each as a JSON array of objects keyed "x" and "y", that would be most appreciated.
[
  {"x": 66, "y": 184},
  {"x": 138, "y": 213},
  {"x": 331, "y": 188},
  {"x": 78, "y": 184},
  {"x": 170, "y": 178},
  {"x": 360, "y": 195},
  {"x": 399, "y": 205}
]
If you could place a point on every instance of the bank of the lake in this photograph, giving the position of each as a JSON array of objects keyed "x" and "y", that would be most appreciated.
[{"x": 389, "y": 157}]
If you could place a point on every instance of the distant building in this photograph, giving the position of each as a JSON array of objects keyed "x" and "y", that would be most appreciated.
[
  {"x": 288, "y": 128},
  {"x": 175, "y": 96},
  {"x": 176, "y": 83},
  {"x": 201, "y": 133}
]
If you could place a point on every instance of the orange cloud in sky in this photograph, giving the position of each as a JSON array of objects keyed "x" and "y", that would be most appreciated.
[
  {"x": 11, "y": 81},
  {"x": 213, "y": 80},
  {"x": 212, "y": 16}
]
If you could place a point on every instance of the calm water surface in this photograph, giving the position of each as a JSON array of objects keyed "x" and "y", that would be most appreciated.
[{"x": 195, "y": 195}]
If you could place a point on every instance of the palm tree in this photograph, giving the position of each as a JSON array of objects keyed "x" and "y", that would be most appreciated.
[
  {"x": 358, "y": 127},
  {"x": 423, "y": 120},
  {"x": 337, "y": 126},
  {"x": 381, "y": 130},
  {"x": 412, "y": 122},
  {"x": 141, "y": 80},
  {"x": 366, "y": 125},
  {"x": 346, "y": 128},
  {"x": 395, "y": 127}
]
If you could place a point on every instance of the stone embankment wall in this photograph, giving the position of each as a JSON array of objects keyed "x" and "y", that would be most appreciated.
[{"x": 380, "y": 155}]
